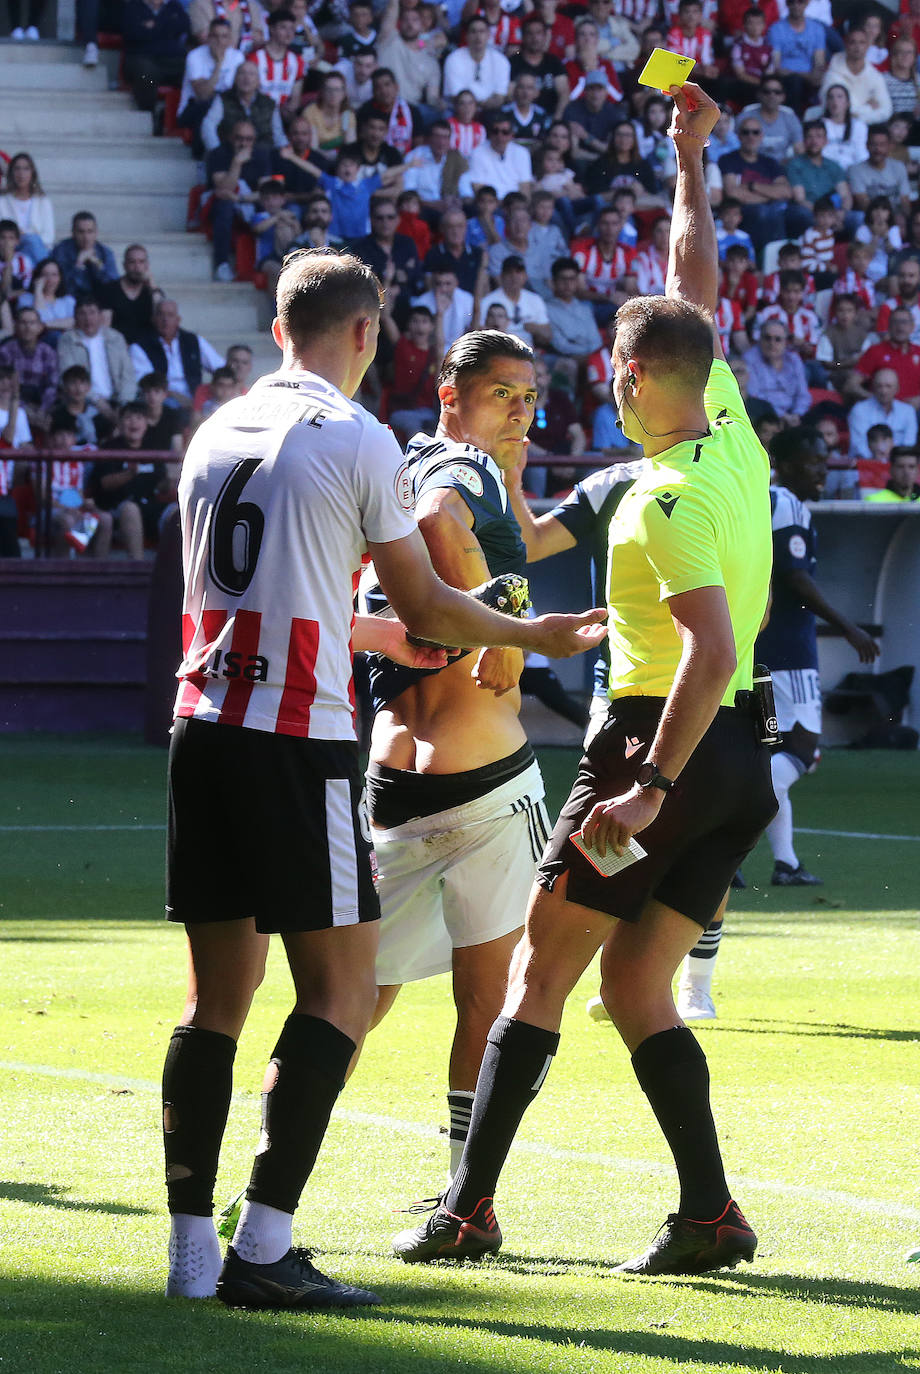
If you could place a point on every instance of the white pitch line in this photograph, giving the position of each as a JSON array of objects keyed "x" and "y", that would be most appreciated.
[
  {"x": 855, "y": 834},
  {"x": 53, "y": 829},
  {"x": 49, "y": 829},
  {"x": 831, "y": 1197}
]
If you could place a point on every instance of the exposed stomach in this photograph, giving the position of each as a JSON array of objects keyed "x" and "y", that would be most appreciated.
[{"x": 447, "y": 724}]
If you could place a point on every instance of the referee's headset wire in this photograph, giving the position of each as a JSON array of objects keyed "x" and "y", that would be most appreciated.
[{"x": 624, "y": 400}]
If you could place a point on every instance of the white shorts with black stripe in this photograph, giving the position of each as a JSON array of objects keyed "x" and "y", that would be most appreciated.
[
  {"x": 458, "y": 878},
  {"x": 797, "y": 693}
]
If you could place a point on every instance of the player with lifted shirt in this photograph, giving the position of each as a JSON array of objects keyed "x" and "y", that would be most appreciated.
[
  {"x": 283, "y": 493},
  {"x": 454, "y": 791}
]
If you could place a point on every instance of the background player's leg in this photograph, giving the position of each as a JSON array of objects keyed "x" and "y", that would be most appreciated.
[
  {"x": 787, "y": 766},
  {"x": 480, "y": 979},
  {"x": 694, "y": 992},
  {"x": 333, "y": 972},
  {"x": 226, "y": 965},
  {"x": 559, "y": 941},
  {"x": 637, "y": 968}
]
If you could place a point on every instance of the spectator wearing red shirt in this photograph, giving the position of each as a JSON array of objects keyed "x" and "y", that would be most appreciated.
[
  {"x": 466, "y": 133},
  {"x": 898, "y": 353},
  {"x": 561, "y": 30},
  {"x": 908, "y": 298},
  {"x": 691, "y": 39},
  {"x": 739, "y": 280},
  {"x": 855, "y": 281},
  {"x": 588, "y": 60},
  {"x": 504, "y": 28},
  {"x": 602, "y": 261},
  {"x": 417, "y": 353},
  {"x": 599, "y": 367},
  {"x": 789, "y": 259},
  {"x": 752, "y": 57},
  {"x": 732, "y": 12}
]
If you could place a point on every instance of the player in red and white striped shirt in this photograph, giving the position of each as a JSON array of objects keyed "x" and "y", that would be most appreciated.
[
  {"x": 689, "y": 38},
  {"x": 283, "y": 493},
  {"x": 802, "y": 324},
  {"x": 466, "y": 133},
  {"x": 281, "y": 71}
]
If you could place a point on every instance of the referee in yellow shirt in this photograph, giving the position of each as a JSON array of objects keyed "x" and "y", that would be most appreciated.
[{"x": 678, "y": 761}]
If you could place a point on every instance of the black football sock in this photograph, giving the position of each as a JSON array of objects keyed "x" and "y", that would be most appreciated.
[
  {"x": 310, "y": 1061},
  {"x": 673, "y": 1073},
  {"x": 515, "y": 1063},
  {"x": 197, "y": 1083}
]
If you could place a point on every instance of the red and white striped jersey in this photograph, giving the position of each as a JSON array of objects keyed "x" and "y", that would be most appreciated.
[
  {"x": 506, "y": 33},
  {"x": 698, "y": 45},
  {"x": 277, "y": 75},
  {"x": 727, "y": 319},
  {"x": 850, "y": 283},
  {"x": 641, "y": 13},
  {"x": 465, "y": 137},
  {"x": 599, "y": 369},
  {"x": 895, "y": 303},
  {"x": 651, "y": 272},
  {"x": 802, "y": 324},
  {"x": 818, "y": 249},
  {"x": 6, "y": 476},
  {"x": 598, "y": 271},
  {"x": 281, "y": 491},
  {"x": 67, "y": 476},
  {"x": 770, "y": 290},
  {"x": 710, "y": 11}
]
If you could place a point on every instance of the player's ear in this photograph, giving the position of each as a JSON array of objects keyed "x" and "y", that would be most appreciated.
[
  {"x": 362, "y": 328},
  {"x": 276, "y": 333},
  {"x": 447, "y": 395}
]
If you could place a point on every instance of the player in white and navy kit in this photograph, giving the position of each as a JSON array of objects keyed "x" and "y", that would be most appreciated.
[
  {"x": 454, "y": 791},
  {"x": 788, "y": 645},
  {"x": 283, "y": 494}
]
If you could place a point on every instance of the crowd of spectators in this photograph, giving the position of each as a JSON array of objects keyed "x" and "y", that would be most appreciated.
[{"x": 499, "y": 165}]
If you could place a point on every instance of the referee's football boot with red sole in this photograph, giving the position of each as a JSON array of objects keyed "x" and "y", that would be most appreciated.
[
  {"x": 445, "y": 1236},
  {"x": 291, "y": 1282},
  {"x": 683, "y": 1246}
]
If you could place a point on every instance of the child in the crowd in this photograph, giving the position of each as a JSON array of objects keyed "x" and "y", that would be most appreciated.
[
  {"x": 554, "y": 176},
  {"x": 416, "y": 359},
  {"x": 77, "y": 526},
  {"x": 221, "y": 388},
  {"x": 789, "y": 259},
  {"x": 855, "y": 281},
  {"x": 842, "y": 341},
  {"x": 73, "y": 398},
  {"x": 728, "y": 227},
  {"x": 15, "y": 273},
  {"x": 411, "y": 222},
  {"x": 350, "y": 193},
  {"x": 164, "y": 423},
  {"x": 882, "y": 235},
  {"x": 486, "y": 226},
  {"x": 739, "y": 281},
  {"x": 818, "y": 243},
  {"x": 275, "y": 226},
  {"x": 842, "y": 480},
  {"x": 624, "y": 200}
]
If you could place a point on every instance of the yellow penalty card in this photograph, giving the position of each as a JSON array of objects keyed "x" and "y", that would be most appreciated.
[{"x": 666, "y": 69}]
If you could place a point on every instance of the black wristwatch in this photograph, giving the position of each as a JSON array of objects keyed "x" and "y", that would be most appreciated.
[{"x": 648, "y": 776}]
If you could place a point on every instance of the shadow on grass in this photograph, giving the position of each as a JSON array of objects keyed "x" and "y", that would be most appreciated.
[
  {"x": 53, "y": 1195},
  {"x": 97, "y": 1327},
  {"x": 833, "y": 1029},
  {"x": 836, "y": 1292}
]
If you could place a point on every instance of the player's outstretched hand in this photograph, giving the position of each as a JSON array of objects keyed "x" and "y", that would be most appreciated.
[
  {"x": 695, "y": 114},
  {"x": 864, "y": 645},
  {"x": 563, "y": 636}
]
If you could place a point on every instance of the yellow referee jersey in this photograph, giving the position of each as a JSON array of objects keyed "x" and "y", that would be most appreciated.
[{"x": 698, "y": 516}]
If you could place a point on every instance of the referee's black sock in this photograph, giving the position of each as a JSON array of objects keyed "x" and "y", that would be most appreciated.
[
  {"x": 515, "y": 1063},
  {"x": 197, "y": 1083},
  {"x": 673, "y": 1073},
  {"x": 309, "y": 1061}
]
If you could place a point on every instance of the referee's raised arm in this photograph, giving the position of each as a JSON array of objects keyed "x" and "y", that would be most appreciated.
[{"x": 693, "y": 258}]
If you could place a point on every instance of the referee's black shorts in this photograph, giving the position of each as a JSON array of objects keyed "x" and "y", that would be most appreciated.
[
  {"x": 268, "y": 826},
  {"x": 709, "y": 821}
]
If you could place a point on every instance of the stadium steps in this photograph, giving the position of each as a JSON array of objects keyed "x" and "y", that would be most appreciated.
[
  {"x": 95, "y": 151},
  {"x": 59, "y": 669}
]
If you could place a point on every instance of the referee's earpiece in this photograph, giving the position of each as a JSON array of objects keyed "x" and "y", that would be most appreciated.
[{"x": 631, "y": 381}]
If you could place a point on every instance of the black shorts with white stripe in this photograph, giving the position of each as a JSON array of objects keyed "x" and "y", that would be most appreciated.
[{"x": 267, "y": 826}]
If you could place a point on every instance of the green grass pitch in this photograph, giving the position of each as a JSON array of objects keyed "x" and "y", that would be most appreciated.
[{"x": 815, "y": 1063}]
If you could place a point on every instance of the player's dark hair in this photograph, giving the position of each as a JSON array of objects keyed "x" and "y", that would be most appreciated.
[
  {"x": 669, "y": 337},
  {"x": 472, "y": 353},
  {"x": 791, "y": 447},
  {"x": 320, "y": 290}
]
